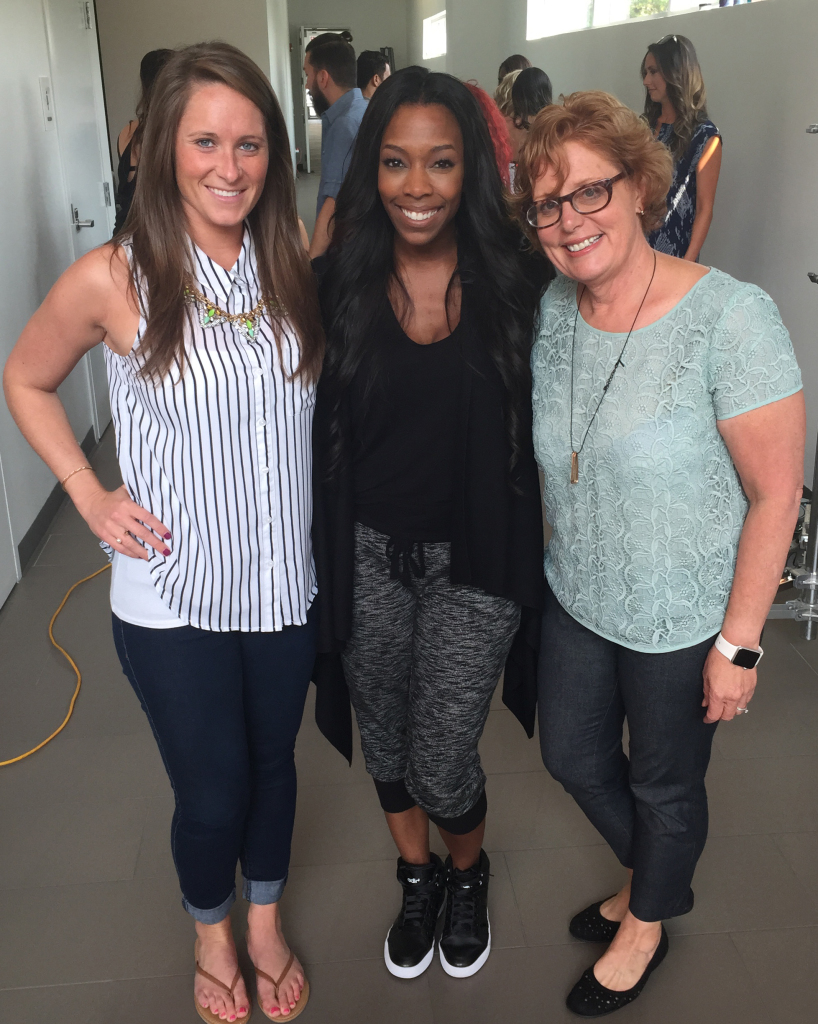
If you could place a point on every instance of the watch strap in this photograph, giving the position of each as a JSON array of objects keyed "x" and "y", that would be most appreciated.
[{"x": 731, "y": 650}]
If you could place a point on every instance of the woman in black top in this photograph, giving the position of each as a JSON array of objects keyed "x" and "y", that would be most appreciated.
[
  {"x": 127, "y": 145},
  {"x": 427, "y": 524}
]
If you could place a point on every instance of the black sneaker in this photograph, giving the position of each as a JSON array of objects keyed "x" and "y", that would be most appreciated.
[
  {"x": 410, "y": 944},
  {"x": 466, "y": 941}
]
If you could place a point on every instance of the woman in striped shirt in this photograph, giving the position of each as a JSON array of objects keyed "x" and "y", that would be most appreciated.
[{"x": 213, "y": 578}]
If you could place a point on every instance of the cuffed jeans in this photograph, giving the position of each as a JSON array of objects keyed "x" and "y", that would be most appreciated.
[
  {"x": 225, "y": 709},
  {"x": 651, "y": 805}
]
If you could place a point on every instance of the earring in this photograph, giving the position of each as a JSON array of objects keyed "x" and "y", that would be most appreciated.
[{"x": 640, "y": 212}]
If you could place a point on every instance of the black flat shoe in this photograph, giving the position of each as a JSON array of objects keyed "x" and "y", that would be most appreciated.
[
  {"x": 590, "y": 999},
  {"x": 590, "y": 926}
]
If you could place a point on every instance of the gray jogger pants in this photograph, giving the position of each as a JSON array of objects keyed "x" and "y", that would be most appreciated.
[{"x": 421, "y": 665}]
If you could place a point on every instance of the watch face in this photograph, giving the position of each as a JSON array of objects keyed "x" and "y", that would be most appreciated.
[{"x": 746, "y": 658}]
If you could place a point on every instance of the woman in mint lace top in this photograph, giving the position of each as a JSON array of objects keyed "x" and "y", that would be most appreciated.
[{"x": 669, "y": 426}]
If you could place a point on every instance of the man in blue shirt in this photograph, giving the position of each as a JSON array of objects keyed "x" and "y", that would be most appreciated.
[{"x": 331, "y": 73}]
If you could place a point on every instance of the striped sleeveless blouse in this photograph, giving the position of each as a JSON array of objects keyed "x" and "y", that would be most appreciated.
[{"x": 221, "y": 454}]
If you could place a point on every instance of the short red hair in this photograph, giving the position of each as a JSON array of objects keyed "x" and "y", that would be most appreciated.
[{"x": 498, "y": 130}]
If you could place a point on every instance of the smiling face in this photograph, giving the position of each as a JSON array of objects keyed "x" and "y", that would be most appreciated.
[
  {"x": 590, "y": 247},
  {"x": 221, "y": 157},
  {"x": 653, "y": 80},
  {"x": 420, "y": 178}
]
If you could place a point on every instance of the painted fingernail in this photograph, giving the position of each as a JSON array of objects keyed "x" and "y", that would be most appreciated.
[
  {"x": 166, "y": 552},
  {"x": 167, "y": 536}
]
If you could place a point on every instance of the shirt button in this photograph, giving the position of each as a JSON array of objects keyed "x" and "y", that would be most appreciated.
[
  {"x": 262, "y": 423},
  {"x": 264, "y": 469},
  {"x": 258, "y": 371},
  {"x": 270, "y": 563},
  {"x": 268, "y": 520}
]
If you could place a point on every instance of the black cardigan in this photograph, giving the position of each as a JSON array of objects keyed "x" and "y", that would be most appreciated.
[{"x": 497, "y": 537}]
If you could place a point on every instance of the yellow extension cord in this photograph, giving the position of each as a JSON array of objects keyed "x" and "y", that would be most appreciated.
[{"x": 71, "y": 662}]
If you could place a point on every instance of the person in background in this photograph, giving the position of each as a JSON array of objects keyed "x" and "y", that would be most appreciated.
[
  {"x": 372, "y": 70},
  {"x": 207, "y": 307},
  {"x": 676, "y": 110},
  {"x": 516, "y": 62},
  {"x": 516, "y": 136},
  {"x": 530, "y": 92},
  {"x": 669, "y": 426},
  {"x": 127, "y": 145},
  {"x": 497, "y": 130},
  {"x": 331, "y": 71},
  {"x": 428, "y": 526}
]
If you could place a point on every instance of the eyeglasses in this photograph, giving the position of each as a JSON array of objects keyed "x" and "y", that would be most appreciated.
[{"x": 589, "y": 198}]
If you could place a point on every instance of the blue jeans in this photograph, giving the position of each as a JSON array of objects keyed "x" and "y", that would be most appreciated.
[
  {"x": 225, "y": 709},
  {"x": 651, "y": 805}
]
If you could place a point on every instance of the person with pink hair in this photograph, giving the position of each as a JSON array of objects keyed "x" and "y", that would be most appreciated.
[{"x": 497, "y": 130}]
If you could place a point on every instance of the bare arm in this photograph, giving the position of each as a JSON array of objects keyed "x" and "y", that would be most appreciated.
[
  {"x": 767, "y": 447},
  {"x": 87, "y": 305},
  {"x": 305, "y": 238},
  {"x": 323, "y": 229},
  {"x": 707, "y": 178}
]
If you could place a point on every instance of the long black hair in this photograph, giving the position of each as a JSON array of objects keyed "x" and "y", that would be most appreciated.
[
  {"x": 529, "y": 94},
  {"x": 361, "y": 264}
]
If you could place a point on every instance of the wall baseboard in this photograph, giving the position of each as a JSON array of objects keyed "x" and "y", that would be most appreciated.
[{"x": 39, "y": 528}]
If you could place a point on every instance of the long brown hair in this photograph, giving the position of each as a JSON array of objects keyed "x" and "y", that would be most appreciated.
[
  {"x": 162, "y": 260},
  {"x": 677, "y": 60}
]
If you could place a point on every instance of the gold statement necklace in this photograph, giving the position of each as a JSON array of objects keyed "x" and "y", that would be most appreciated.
[
  {"x": 211, "y": 315},
  {"x": 576, "y": 452}
]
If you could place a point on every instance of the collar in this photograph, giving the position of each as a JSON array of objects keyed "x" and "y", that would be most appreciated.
[
  {"x": 341, "y": 106},
  {"x": 240, "y": 280}
]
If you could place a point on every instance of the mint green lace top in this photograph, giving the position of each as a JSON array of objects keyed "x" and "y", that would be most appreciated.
[{"x": 644, "y": 545}]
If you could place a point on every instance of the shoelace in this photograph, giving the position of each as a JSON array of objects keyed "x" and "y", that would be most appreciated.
[
  {"x": 416, "y": 906},
  {"x": 464, "y": 905}
]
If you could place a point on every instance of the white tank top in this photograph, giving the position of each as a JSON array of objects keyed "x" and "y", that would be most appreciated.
[{"x": 221, "y": 454}]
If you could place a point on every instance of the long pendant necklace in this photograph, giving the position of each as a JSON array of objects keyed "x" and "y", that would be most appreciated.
[
  {"x": 210, "y": 315},
  {"x": 576, "y": 452}
]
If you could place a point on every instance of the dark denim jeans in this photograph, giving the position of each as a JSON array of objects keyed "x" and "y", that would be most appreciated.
[
  {"x": 651, "y": 805},
  {"x": 225, "y": 709}
]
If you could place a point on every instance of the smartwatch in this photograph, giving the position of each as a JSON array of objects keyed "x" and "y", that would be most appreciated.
[{"x": 744, "y": 657}]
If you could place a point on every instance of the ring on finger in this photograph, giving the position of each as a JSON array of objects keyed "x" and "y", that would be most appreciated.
[{"x": 742, "y": 711}]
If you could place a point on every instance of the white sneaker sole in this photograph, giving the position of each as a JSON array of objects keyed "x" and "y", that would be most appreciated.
[
  {"x": 404, "y": 972},
  {"x": 466, "y": 972}
]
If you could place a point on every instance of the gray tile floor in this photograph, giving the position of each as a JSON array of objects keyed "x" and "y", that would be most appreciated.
[{"x": 93, "y": 932}]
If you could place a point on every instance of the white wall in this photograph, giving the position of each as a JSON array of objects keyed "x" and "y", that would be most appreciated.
[
  {"x": 128, "y": 29},
  {"x": 35, "y": 243},
  {"x": 373, "y": 24},
  {"x": 760, "y": 67}
]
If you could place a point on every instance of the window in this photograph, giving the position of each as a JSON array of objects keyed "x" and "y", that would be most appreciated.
[
  {"x": 434, "y": 36},
  {"x": 552, "y": 17}
]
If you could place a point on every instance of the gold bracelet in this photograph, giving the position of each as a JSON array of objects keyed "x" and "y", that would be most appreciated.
[{"x": 73, "y": 471}]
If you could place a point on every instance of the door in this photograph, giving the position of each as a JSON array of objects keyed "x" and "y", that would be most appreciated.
[
  {"x": 79, "y": 105},
  {"x": 8, "y": 552}
]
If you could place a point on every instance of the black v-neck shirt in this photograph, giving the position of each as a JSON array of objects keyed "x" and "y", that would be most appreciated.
[{"x": 404, "y": 410}]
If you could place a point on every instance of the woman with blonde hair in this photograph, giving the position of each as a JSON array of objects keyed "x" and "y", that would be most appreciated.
[
  {"x": 676, "y": 110},
  {"x": 207, "y": 307},
  {"x": 502, "y": 97},
  {"x": 669, "y": 426}
]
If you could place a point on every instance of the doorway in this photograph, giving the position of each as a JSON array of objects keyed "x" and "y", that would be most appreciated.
[{"x": 79, "y": 106}]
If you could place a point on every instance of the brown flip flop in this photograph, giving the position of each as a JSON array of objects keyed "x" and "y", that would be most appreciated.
[
  {"x": 303, "y": 999},
  {"x": 208, "y": 1015}
]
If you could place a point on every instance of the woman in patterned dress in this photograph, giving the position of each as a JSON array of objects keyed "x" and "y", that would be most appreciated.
[{"x": 676, "y": 110}]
